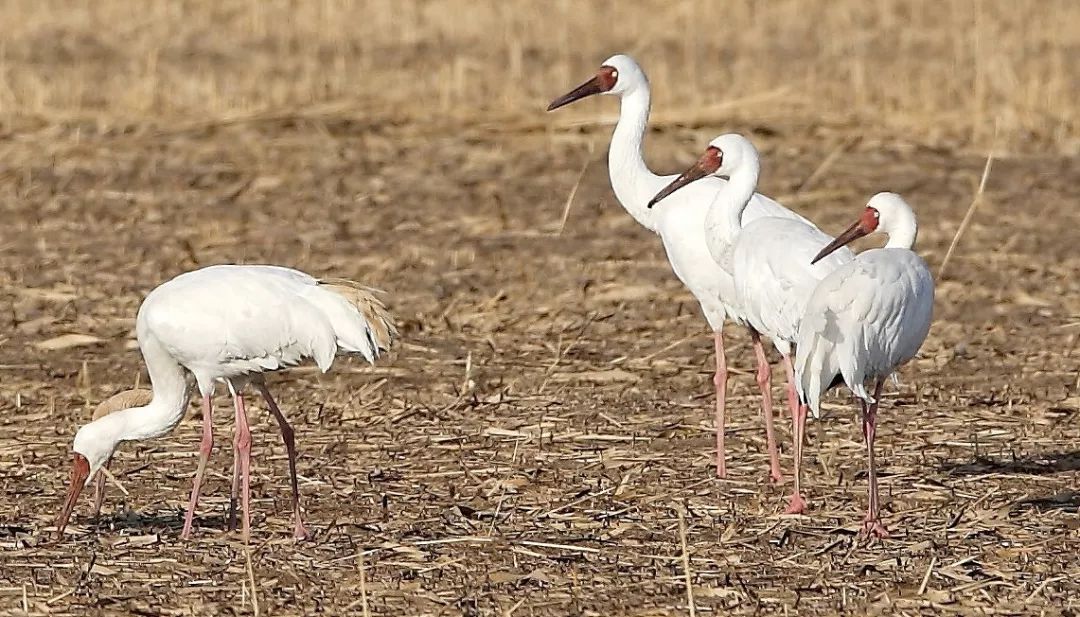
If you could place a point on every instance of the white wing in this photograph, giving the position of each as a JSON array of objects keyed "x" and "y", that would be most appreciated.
[
  {"x": 773, "y": 274},
  {"x": 225, "y": 321},
  {"x": 863, "y": 321}
]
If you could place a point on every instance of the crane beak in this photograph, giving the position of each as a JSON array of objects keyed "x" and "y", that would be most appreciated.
[
  {"x": 79, "y": 473},
  {"x": 856, "y": 231},
  {"x": 590, "y": 87},
  {"x": 706, "y": 165}
]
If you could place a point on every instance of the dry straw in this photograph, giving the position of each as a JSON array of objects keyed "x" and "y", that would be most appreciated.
[
  {"x": 975, "y": 201},
  {"x": 917, "y": 67},
  {"x": 355, "y": 169}
]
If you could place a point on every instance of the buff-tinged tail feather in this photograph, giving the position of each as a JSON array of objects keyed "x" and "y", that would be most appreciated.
[
  {"x": 123, "y": 400},
  {"x": 381, "y": 330}
]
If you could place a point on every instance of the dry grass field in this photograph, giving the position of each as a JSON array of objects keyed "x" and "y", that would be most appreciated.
[{"x": 540, "y": 441}]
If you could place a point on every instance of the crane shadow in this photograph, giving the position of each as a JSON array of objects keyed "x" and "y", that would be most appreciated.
[
  {"x": 174, "y": 521},
  {"x": 1067, "y": 501},
  {"x": 1035, "y": 465}
]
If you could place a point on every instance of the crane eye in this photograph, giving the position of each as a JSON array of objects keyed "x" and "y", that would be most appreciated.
[{"x": 615, "y": 74}]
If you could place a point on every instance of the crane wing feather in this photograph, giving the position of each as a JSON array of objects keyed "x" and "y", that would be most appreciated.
[
  {"x": 228, "y": 320},
  {"x": 773, "y": 274},
  {"x": 863, "y": 321}
]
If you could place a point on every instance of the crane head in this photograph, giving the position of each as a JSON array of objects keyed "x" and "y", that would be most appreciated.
[
  {"x": 616, "y": 75},
  {"x": 866, "y": 224},
  {"x": 723, "y": 157},
  {"x": 604, "y": 80},
  {"x": 708, "y": 164},
  {"x": 93, "y": 447}
]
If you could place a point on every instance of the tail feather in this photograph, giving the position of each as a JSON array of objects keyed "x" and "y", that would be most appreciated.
[
  {"x": 379, "y": 331},
  {"x": 815, "y": 371},
  {"x": 123, "y": 400}
]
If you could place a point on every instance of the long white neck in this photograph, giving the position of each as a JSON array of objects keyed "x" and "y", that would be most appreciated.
[
  {"x": 166, "y": 409},
  {"x": 631, "y": 180},
  {"x": 902, "y": 231},
  {"x": 724, "y": 220}
]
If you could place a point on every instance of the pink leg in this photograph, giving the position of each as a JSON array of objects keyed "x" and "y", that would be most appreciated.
[
  {"x": 797, "y": 504},
  {"x": 792, "y": 392},
  {"x": 243, "y": 446},
  {"x": 205, "y": 447},
  {"x": 234, "y": 492},
  {"x": 720, "y": 381},
  {"x": 99, "y": 490},
  {"x": 872, "y": 525},
  {"x": 289, "y": 437},
  {"x": 764, "y": 380}
]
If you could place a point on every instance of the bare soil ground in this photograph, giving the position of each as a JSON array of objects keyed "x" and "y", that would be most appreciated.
[{"x": 530, "y": 446}]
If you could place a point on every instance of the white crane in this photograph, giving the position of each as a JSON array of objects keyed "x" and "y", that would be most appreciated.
[
  {"x": 769, "y": 258},
  {"x": 232, "y": 324},
  {"x": 680, "y": 224},
  {"x": 866, "y": 319}
]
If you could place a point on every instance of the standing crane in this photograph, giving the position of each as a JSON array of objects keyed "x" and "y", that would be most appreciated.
[
  {"x": 769, "y": 259},
  {"x": 865, "y": 320},
  {"x": 680, "y": 224}
]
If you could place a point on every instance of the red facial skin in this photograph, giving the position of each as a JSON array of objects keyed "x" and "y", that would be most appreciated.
[
  {"x": 603, "y": 81},
  {"x": 867, "y": 224},
  {"x": 705, "y": 166}
]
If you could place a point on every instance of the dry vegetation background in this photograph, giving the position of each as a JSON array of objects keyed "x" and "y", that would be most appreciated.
[
  {"x": 951, "y": 70},
  {"x": 540, "y": 442}
]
